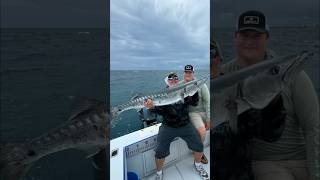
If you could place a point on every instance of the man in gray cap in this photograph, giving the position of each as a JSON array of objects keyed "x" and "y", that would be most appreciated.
[
  {"x": 295, "y": 156},
  {"x": 199, "y": 114}
]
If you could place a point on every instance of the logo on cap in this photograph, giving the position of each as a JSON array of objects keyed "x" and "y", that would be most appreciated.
[
  {"x": 251, "y": 20},
  {"x": 188, "y": 68}
]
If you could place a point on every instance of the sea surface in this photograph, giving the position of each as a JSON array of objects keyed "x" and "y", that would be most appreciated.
[{"x": 40, "y": 69}]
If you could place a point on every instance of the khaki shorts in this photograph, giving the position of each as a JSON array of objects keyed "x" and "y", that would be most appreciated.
[
  {"x": 280, "y": 170},
  {"x": 198, "y": 119}
]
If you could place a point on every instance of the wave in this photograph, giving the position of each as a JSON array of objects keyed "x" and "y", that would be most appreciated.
[
  {"x": 29, "y": 56},
  {"x": 84, "y": 32},
  {"x": 20, "y": 70}
]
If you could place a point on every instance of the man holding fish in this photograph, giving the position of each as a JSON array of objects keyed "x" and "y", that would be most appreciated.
[
  {"x": 296, "y": 154},
  {"x": 176, "y": 123}
]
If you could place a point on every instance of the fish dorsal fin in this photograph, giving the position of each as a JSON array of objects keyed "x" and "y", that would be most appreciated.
[
  {"x": 82, "y": 104},
  {"x": 135, "y": 96}
]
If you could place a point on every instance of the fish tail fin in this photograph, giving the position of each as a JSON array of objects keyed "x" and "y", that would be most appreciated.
[
  {"x": 11, "y": 161},
  {"x": 115, "y": 112}
]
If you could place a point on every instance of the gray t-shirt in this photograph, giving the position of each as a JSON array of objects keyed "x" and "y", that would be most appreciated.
[
  {"x": 204, "y": 102},
  {"x": 300, "y": 139}
]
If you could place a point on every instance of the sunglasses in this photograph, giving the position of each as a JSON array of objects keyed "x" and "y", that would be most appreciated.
[{"x": 173, "y": 78}]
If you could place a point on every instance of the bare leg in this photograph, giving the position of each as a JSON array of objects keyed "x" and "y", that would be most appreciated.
[
  {"x": 159, "y": 163},
  {"x": 202, "y": 133},
  {"x": 197, "y": 156}
]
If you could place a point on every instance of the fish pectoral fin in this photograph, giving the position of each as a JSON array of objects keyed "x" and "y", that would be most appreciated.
[{"x": 90, "y": 150}]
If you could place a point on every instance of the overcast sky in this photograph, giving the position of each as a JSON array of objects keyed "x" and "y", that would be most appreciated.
[
  {"x": 159, "y": 34},
  {"x": 224, "y": 13},
  {"x": 93, "y": 13}
]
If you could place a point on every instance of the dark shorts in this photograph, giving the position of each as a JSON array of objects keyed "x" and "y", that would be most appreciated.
[{"x": 167, "y": 134}]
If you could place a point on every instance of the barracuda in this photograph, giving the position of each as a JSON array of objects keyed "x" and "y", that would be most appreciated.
[
  {"x": 86, "y": 130},
  {"x": 164, "y": 97}
]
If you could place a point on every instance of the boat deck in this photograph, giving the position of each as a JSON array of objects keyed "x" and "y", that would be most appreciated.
[
  {"x": 134, "y": 153},
  {"x": 183, "y": 169}
]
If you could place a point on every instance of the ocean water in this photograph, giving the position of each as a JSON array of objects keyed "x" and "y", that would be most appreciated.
[
  {"x": 124, "y": 84},
  {"x": 40, "y": 68}
]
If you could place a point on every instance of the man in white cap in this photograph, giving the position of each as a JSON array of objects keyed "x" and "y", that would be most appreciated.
[{"x": 176, "y": 123}]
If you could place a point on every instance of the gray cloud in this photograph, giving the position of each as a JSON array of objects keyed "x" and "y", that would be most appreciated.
[
  {"x": 156, "y": 34},
  {"x": 94, "y": 13}
]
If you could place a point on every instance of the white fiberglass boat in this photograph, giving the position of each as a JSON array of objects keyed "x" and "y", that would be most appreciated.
[{"x": 132, "y": 157}]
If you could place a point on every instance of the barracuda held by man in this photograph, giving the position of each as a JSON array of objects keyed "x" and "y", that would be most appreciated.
[
  {"x": 274, "y": 71},
  {"x": 161, "y": 98}
]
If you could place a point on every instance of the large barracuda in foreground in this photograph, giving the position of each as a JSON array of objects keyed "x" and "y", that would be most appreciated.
[
  {"x": 86, "y": 130},
  {"x": 253, "y": 87},
  {"x": 164, "y": 97}
]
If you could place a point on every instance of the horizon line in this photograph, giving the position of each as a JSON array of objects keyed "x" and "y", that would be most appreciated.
[{"x": 155, "y": 69}]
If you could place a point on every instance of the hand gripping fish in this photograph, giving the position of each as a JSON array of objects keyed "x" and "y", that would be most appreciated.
[
  {"x": 86, "y": 130},
  {"x": 164, "y": 97},
  {"x": 254, "y": 86}
]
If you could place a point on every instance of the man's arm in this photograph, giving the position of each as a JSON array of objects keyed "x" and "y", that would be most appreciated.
[
  {"x": 155, "y": 109},
  {"x": 206, "y": 101},
  {"x": 306, "y": 106},
  {"x": 140, "y": 114}
]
